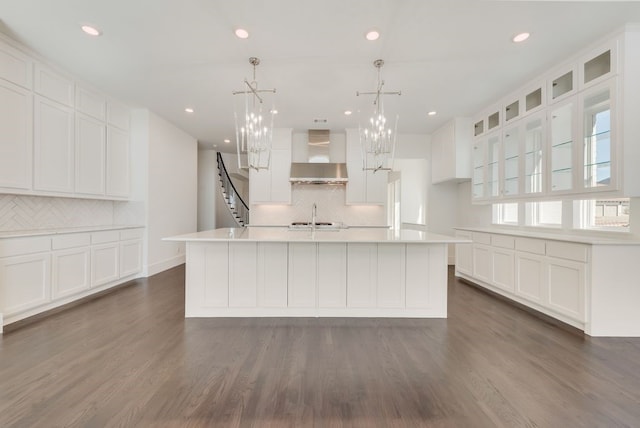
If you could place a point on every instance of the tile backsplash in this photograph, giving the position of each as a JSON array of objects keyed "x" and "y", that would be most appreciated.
[{"x": 331, "y": 207}]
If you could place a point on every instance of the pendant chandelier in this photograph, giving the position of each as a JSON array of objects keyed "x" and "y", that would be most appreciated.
[
  {"x": 378, "y": 131},
  {"x": 254, "y": 123}
]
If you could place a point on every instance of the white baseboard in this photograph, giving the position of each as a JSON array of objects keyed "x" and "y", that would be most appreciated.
[{"x": 158, "y": 267}]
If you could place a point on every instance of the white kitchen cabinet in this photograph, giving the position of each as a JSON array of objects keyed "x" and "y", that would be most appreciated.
[
  {"x": 118, "y": 115},
  {"x": 117, "y": 163},
  {"x": 16, "y": 135},
  {"x": 209, "y": 265},
  {"x": 70, "y": 272},
  {"x": 391, "y": 276},
  {"x": 332, "y": 275},
  {"x": 53, "y": 85},
  {"x": 272, "y": 274},
  {"x": 243, "y": 280},
  {"x": 53, "y": 146},
  {"x": 363, "y": 187},
  {"x": 26, "y": 282},
  {"x": 503, "y": 267},
  {"x": 530, "y": 277},
  {"x": 91, "y": 103},
  {"x": 130, "y": 257},
  {"x": 418, "y": 274},
  {"x": 598, "y": 64},
  {"x": 272, "y": 186},
  {"x": 566, "y": 287},
  {"x": 451, "y": 151},
  {"x": 302, "y": 276},
  {"x": 104, "y": 263},
  {"x": 464, "y": 254},
  {"x": 90, "y": 155},
  {"x": 15, "y": 66},
  {"x": 482, "y": 262},
  {"x": 362, "y": 272}
]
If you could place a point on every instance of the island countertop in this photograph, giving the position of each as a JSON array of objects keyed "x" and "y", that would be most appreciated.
[{"x": 259, "y": 234}]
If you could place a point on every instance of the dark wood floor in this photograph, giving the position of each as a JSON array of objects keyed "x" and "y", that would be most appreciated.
[{"x": 130, "y": 359}]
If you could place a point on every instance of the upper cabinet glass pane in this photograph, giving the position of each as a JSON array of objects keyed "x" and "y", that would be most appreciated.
[
  {"x": 533, "y": 99},
  {"x": 533, "y": 160},
  {"x": 493, "y": 162},
  {"x": 511, "y": 161},
  {"x": 512, "y": 110},
  {"x": 597, "y": 139},
  {"x": 562, "y": 148},
  {"x": 478, "y": 128},
  {"x": 478, "y": 170},
  {"x": 562, "y": 85},
  {"x": 493, "y": 120},
  {"x": 598, "y": 66}
]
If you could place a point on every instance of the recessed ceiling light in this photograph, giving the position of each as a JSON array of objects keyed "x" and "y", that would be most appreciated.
[
  {"x": 520, "y": 37},
  {"x": 215, "y": 145},
  {"x": 189, "y": 110},
  {"x": 241, "y": 33},
  {"x": 274, "y": 111},
  {"x": 226, "y": 140},
  {"x": 347, "y": 112},
  {"x": 372, "y": 35},
  {"x": 92, "y": 31},
  {"x": 432, "y": 113}
]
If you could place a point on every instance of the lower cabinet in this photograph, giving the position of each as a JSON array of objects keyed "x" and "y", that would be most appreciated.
[
  {"x": 104, "y": 264},
  {"x": 391, "y": 276},
  {"x": 26, "y": 282},
  {"x": 302, "y": 274},
  {"x": 503, "y": 267},
  {"x": 464, "y": 254},
  {"x": 482, "y": 263},
  {"x": 130, "y": 257},
  {"x": 70, "y": 271},
  {"x": 361, "y": 275},
  {"x": 566, "y": 287},
  {"x": 242, "y": 274},
  {"x": 332, "y": 275},
  {"x": 530, "y": 277},
  {"x": 272, "y": 274}
]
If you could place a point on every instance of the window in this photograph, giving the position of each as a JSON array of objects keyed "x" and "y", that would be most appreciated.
[
  {"x": 602, "y": 214},
  {"x": 544, "y": 214},
  {"x": 505, "y": 214}
]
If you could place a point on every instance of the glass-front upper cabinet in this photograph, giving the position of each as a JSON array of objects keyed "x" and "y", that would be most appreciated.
[
  {"x": 562, "y": 124},
  {"x": 511, "y": 161},
  {"x": 478, "y": 163},
  {"x": 598, "y": 154},
  {"x": 493, "y": 166},
  {"x": 534, "y": 155}
]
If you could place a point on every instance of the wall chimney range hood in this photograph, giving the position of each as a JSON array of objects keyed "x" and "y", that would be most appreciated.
[{"x": 319, "y": 169}]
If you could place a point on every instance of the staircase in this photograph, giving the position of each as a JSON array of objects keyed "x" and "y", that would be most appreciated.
[{"x": 234, "y": 202}]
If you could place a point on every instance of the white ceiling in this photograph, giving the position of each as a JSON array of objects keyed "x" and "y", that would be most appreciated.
[{"x": 453, "y": 56}]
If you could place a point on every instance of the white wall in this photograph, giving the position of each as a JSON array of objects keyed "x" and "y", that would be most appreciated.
[
  {"x": 207, "y": 189},
  {"x": 172, "y": 192}
]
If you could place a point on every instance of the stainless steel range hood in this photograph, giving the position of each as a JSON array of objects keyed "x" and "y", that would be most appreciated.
[{"x": 319, "y": 169}]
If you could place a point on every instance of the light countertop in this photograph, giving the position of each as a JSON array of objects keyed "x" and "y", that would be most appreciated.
[
  {"x": 62, "y": 230},
  {"x": 260, "y": 234},
  {"x": 581, "y": 239}
]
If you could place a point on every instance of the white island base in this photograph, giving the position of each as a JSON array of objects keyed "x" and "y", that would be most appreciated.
[{"x": 348, "y": 273}]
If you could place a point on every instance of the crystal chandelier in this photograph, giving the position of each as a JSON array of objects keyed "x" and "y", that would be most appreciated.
[
  {"x": 378, "y": 134},
  {"x": 254, "y": 123}
]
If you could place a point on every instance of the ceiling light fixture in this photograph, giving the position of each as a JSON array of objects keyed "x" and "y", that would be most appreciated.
[
  {"x": 372, "y": 35},
  {"x": 241, "y": 33},
  {"x": 254, "y": 123},
  {"x": 520, "y": 37},
  {"x": 274, "y": 111},
  {"x": 90, "y": 30},
  {"x": 432, "y": 113},
  {"x": 189, "y": 110},
  {"x": 378, "y": 136},
  {"x": 347, "y": 112},
  {"x": 226, "y": 140}
]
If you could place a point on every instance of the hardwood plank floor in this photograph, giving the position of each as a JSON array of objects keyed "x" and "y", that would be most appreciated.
[{"x": 130, "y": 359}]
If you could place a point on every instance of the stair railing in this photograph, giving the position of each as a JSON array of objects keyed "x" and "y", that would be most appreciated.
[{"x": 236, "y": 205}]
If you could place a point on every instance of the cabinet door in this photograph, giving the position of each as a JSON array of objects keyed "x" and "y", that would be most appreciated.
[
  {"x": 562, "y": 131},
  {"x": 91, "y": 103},
  {"x": 272, "y": 274},
  {"x": 376, "y": 187},
  {"x": 118, "y": 116},
  {"x": 356, "y": 187},
  {"x": 280, "y": 172},
  {"x": 597, "y": 106},
  {"x": 130, "y": 257},
  {"x": 117, "y": 166},
  {"x": 464, "y": 255},
  {"x": 26, "y": 282},
  {"x": 90, "y": 155},
  {"x": 54, "y": 154},
  {"x": 565, "y": 287},
  {"x": 530, "y": 277},
  {"x": 391, "y": 275},
  {"x": 15, "y": 66},
  {"x": 332, "y": 275},
  {"x": 53, "y": 85},
  {"x": 511, "y": 161},
  {"x": 482, "y": 263},
  {"x": 16, "y": 155},
  {"x": 302, "y": 275},
  {"x": 534, "y": 161},
  {"x": 104, "y": 264},
  {"x": 478, "y": 180},
  {"x": 70, "y": 270},
  {"x": 503, "y": 264},
  {"x": 419, "y": 276},
  {"x": 243, "y": 280},
  {"x": 260, "y": 186},
  {"x": 362, "y": 275},
  {"x": 493, "y": 166}
]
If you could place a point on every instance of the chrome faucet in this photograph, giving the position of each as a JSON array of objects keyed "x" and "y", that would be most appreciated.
[{"x": 314, "y": 212}]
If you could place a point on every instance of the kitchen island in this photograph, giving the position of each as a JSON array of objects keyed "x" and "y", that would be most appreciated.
[{"x": 247, "y": 272}]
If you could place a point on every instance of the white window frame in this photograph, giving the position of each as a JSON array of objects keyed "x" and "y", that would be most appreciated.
[
  {"x": 583, "y": 214},
  {"x": 533, "y": 215},
  {"x": 498, "y": 214}
]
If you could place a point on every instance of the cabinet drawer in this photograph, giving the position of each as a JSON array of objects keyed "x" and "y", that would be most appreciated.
[
  {"x": 71, "y": 241},
  {"x": 19, "y": 246},
  {"x": 131, "y": 234},
  {"x": 481, "y": 238},
  {"x": 568, "y": 251},
  {"x": 534, "y": 246},
  {"x": 106, "y": 236},
  {"x": 503, "y": 241}
]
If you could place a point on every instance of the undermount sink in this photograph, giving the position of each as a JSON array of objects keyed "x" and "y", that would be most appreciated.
[{"x": 319, "y": 225}]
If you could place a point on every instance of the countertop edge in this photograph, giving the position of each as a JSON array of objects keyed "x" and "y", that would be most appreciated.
[
  {"x": 589, "y": 240},
  {"x": 66, "y": 230}
]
